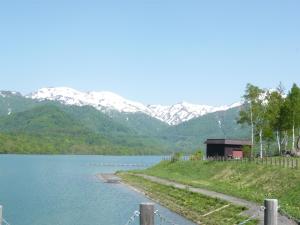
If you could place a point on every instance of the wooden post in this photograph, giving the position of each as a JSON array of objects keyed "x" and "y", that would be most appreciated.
[
  {"x": 272, "y": 161},
  {"x": 271, "y": 212},
  {"x": 147, "y": 214},
  {"x": 1, "y": 214},
  {"x": 280, "y": 161}
]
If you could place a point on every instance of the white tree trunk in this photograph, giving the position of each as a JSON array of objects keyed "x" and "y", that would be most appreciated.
[
  {"x": 278, "y": 142},
  {"x": 286, "y": 140},
  {"x": 293, "y": 145},
  {"x": 261, "y": 144},
  {"x": 252, "y": 125},
  {"x": 252, "y": 129}
]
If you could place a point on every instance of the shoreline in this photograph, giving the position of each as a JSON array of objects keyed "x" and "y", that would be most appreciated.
[
  {"x": 137, "y": 190},
  {"x": 203, "y": 213}
]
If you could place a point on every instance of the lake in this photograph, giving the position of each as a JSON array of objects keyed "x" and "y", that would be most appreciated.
[{"x": 63, "y": 190}]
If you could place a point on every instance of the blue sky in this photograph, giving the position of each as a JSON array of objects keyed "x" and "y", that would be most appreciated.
[{"x": 155, "y": 51}]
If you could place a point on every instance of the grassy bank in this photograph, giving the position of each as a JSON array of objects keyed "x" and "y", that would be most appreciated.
[
  {"x": 193, "y": 206},
  {"x": 249, "y": 181}
]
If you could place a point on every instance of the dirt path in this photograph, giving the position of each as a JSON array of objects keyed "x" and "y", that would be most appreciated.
[{"x": 253, "y": 208}]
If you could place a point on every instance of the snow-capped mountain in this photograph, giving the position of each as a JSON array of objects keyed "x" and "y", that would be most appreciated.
[
  {"x": 106, "y": 101},
  {"x": 100, "y": 100},
  {"x": 181, "y": 112}
]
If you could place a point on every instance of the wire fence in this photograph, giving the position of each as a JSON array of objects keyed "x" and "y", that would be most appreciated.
[
  {"x": 4, "y": 222},
  {"x": 284, "y": 162},
  {"x": 248, "y": 220},
  {"x": 135, "y": 215},
  {"x": 163, "y": 220}
]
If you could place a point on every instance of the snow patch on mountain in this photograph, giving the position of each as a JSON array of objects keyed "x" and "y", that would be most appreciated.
[
  {"x": 106, "y": 101},
  {"x": 184, "y": 111},
  {"x": 100, "y": 100}
]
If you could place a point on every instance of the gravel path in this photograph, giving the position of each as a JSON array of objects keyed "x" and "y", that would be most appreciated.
[{"x": 253, "y": 208}]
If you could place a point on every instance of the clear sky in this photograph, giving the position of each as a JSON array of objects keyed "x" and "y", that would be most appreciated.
[{"x": 154, "y": 51}]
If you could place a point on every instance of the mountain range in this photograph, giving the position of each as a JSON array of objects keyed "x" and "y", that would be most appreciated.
[
  {"x": 66, "y": 121},
  {"x": 107, "y": 101}
]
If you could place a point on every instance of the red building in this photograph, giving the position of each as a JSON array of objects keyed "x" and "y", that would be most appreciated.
[{"x": 228, "y": 148}]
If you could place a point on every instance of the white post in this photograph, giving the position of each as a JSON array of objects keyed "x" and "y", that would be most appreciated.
[
  {"x": 271, "y": 212},
  {"x": 1, "y": 214},
  {"x": 146, "y": 214}
]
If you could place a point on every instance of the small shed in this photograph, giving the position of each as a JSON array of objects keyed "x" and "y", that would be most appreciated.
[{"x": 229, "y": 148}]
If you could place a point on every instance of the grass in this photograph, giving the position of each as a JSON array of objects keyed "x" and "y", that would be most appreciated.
[
  {"x": 191, "y": 205},
  {"x": 245, "y": 180}
]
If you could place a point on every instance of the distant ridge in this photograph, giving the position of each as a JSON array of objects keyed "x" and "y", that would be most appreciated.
[
  {"x": 108, "y": 101},
  {"x": 60, "y": 123}
]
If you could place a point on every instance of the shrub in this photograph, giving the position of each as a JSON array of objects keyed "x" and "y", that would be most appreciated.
[
  {"x": 246, "y": 151},
  {"x": 176, "y": 157},
  {"x": 198, "y": 155}
]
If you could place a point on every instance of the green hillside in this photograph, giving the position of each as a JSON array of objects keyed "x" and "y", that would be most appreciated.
[
  {"x": 191, "y": 135},
  {"x": 49, "y": 129},
  {"x": 41, "y": 119},
  {"x": 14, "y": 102},
  {"x": 111, "y": 122},
  {"x": 59, "y": 128}
]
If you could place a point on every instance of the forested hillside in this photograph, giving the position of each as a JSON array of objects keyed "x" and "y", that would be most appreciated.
[
  {"x": 31, "y": 126},
  {"x": 192, "y": 134},
  {"x": 49, "y": 129}
]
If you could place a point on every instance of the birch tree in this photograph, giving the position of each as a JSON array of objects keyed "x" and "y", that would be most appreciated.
[
  {"x": 252, "y": 113},
  {"x": 275, "y": 102},
  {"x": 293, "y": 105}
]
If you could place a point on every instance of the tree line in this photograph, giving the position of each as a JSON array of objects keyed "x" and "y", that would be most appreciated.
[{"x": 274, "y": 117}]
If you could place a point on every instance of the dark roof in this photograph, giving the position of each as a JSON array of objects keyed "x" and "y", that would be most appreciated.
[{"x": 228, "y": 142}]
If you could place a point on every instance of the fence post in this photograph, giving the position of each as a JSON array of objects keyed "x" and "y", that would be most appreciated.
[
  {"x": 1, "y": 214},
  {"x": 147, "y": 214},
  {"x": 271, "y": 212},
  {"x": 271, "y": 161}
]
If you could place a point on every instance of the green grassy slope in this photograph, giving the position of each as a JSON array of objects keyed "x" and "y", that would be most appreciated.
[
  {"x": 193, "y": 206},
  {"x": 249, "y": 181}
]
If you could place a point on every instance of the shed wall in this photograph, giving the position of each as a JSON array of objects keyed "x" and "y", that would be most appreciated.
[{"x": 215, "y": 150}]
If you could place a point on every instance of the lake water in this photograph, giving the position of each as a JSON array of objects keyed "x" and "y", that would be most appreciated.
[{"x": 63, "y": 190}]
